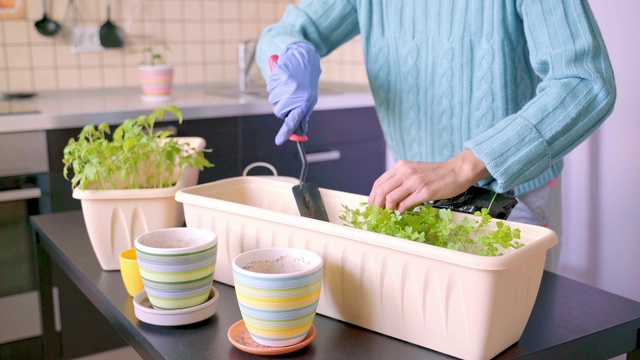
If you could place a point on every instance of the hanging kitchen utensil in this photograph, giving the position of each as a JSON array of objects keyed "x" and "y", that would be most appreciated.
[
  {"x": 81, "y": 37},
  {"x": 110, "y": 35},
  {"x": 307, "y": 196},
  {"x": 138, "y": 26},
  {"x": 70, "y": 19},
  {"x": 46, "y": 26}
]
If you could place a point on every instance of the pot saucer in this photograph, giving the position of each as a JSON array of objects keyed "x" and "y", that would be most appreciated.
[
  {"x": 155, "y": 98},
  {"x": 147, "y": 313},
  {"x": 239, "y": 336}
]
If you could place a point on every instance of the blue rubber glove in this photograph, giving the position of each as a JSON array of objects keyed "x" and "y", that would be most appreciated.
[{"x": 293, "y": 88}]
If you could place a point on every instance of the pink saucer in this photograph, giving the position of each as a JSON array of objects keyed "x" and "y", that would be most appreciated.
[{"x": 239, "y": 336}]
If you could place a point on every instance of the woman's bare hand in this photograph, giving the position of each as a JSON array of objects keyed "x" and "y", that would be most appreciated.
[{"x": 410, "y": 183}]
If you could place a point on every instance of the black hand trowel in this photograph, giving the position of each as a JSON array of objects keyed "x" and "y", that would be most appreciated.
[{"x": 307, "y": 195}]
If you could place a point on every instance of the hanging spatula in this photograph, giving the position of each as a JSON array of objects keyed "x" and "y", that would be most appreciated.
[
  {"x": 110, "y": 35},
  {"x": 307, "y": 195}
]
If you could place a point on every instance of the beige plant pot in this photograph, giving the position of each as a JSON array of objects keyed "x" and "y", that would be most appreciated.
[
  {"x": 464, "y": 305},
  {"x": 114, "y": 218}
]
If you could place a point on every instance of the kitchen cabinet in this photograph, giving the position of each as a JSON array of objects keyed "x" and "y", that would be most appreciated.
[{"x": 346, "y": 149}]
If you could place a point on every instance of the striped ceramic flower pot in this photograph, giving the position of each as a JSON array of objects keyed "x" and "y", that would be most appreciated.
[
  {"x": 177, "y": 266},
  {"x": 278, "y": 290},
  {"x": 156, "y": 80}
]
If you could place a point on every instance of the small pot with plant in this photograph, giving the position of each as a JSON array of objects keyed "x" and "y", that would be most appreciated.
[
  {"x": 126, "y": 181},
  {"x": 156, "y": 77}
]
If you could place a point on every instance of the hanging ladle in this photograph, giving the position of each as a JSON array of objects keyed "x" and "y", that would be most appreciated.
[
  {"x": 45, "y": 26},
  {"x": 110, "y": 35}
]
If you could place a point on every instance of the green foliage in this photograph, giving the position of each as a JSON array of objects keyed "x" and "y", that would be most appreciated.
[
  {"x": 153, "y": 54},
  {"x": 135, "y": 157},
  {"x": 433, "y": 226}
]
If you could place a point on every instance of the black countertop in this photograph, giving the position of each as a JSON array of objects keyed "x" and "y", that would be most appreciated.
[{"x": 570, "y": 320}]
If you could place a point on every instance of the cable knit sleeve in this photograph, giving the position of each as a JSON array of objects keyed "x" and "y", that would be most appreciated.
[
  {"x": 575, "y": 96},
  {"x": 323, "y": 24}
]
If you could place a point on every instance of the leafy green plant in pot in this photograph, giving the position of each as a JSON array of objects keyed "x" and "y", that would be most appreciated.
[
  {"x": 437, "y": 227},
  {"x": 156, "y": 76},
  {"x": 127, "y": 182}
]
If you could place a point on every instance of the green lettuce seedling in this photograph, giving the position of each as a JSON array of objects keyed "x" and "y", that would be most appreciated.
[
  {"x": 136, "y": 156},
  {"x": 433, "y": 226}
]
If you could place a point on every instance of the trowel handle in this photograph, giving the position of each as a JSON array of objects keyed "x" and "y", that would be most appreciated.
[
  {"x": 273, "y": 59},
  {"x": 298, "y": 135}
]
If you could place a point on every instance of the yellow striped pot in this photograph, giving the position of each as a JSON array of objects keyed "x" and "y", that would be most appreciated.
[{"x": 278, "y": 291}]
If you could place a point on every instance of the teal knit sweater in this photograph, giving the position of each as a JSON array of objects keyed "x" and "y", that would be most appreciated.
[{"x": 519, "y": 82}]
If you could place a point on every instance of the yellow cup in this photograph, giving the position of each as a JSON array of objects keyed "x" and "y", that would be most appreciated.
[{"x": 130, "y": 271}]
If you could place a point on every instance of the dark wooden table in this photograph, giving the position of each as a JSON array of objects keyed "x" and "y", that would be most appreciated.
[{"x": 570, "y": 320}]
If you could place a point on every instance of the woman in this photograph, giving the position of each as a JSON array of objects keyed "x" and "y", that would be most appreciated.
[{"x": 486, "y": 92}]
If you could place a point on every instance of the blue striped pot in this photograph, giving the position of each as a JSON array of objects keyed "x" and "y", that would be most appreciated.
[
  {"x": 278, "y": 303},
  {"x": 177, "y": 266}
]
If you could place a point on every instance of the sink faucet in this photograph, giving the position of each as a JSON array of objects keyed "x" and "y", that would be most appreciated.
[{"x": 246, "y": 55}]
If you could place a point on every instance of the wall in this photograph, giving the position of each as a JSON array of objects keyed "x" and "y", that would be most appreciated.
[
  {"x": 202, "y": 36},
  {"x": 601, "y": 233}
]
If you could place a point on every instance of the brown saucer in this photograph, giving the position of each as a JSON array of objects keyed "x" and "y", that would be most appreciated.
[{"x": 239, "y": 336}]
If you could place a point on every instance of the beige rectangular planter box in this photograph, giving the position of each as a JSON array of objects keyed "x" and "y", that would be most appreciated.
[
  {"x": 114, "y": 218},
  {"x": 464, "y": 305}
]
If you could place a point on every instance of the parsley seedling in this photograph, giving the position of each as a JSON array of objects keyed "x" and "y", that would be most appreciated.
[
  {"x": 433, "y": 226},
  {"x": 136, "y": 157}
]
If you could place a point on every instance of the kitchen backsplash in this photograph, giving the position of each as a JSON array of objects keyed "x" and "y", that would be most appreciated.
[{"x": 202, "y": 37}]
